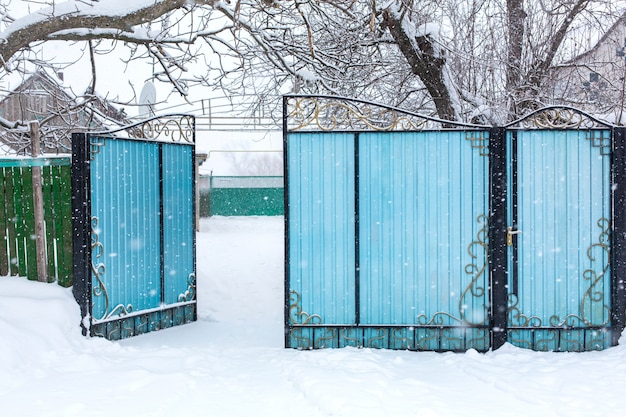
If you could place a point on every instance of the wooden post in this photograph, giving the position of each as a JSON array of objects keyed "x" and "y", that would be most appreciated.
[{"x": 40, "y": 237}]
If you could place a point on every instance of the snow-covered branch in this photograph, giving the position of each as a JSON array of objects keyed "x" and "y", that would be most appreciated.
[{"x": 80, "y": 19}]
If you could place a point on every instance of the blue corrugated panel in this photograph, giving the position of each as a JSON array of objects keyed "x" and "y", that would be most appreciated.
[
  {"x": 563, "y": 186},
  {"x": 178, "y": 224},
  {"x": 321, "y": 230},
  {"x": 126, "y": 222},
  {"x": 423, "y": 206}
]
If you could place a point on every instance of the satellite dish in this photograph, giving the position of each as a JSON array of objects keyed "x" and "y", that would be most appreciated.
[{"x": 147, "y": 99}]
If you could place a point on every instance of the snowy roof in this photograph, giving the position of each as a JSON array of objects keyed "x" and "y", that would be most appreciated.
[{"x": 602, "y": 41}]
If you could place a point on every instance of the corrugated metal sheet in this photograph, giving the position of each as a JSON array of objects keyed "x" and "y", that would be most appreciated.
[
  {"x": 321, "y": 240},
  {"x": 178, "y": 223},
  {"x": 418, "y": 256},
  {"x": 126, "y": 223},
  {"x": 423, "y": 205},
  {"x": 563, "y": 212}
]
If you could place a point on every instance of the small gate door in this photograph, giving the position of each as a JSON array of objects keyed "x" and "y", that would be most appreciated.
[{"x": 558, "y": 239}]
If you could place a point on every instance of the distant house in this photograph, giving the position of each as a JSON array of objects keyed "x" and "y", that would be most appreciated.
[
  {"x": 43, "y": 97},
  {"x": 595, "y": 80}
]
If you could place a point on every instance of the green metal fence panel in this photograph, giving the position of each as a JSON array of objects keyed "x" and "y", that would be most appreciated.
[
  {"x": 242, "y": 196},
  {"x": 17, "y": 224}
]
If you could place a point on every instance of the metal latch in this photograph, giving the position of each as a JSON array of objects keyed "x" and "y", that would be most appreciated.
[{"x": 509, "y": 235}]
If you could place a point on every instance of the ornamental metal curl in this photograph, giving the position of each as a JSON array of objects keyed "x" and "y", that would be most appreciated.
[
  {"x": 559, "y": 117},
  {"x": 176, "y": 128},
  {"x": 477, "y": 272},
  {"x": 98, "y": 269},
  {"x": 515, "y": 316},
  {"x": 378, "y": 339},
  {"x": 302, "y": 341},
  {"x": 190, "y": 292},
  {"x": 437, "y": 319},
  {"x": 330, "y": 334},
  {"x": 120, "y": 310},
  {"x": 338, "y": 113},
  {"x": 296, "y": 313},
  {"x": 593, "y": 296},
  {"x": 349, "y": 339}
]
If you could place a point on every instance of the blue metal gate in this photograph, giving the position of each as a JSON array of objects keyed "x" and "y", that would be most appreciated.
[
  {"x": 133, "y": 201},
  {"x": 403, "y": 235}
]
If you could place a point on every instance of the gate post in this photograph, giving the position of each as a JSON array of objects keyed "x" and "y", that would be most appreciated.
[
  {"x": 497, "y": 251},
  {"x": 81, "y": 236},
  {"x": 618, "y": 237}
]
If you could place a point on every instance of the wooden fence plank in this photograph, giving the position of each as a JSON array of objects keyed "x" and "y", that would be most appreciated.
[
  {"x": 4, "y": 239},
  {"x": 62, "y": 222},
  {"x": 18, "y": 207},
  {"x": 12, "y": 252},
  {"x": 47, "y": 186},
  {"x": 29, "y": 225}
]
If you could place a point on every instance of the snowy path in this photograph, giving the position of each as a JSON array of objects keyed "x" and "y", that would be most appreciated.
[{"x": 231, "y": 362}]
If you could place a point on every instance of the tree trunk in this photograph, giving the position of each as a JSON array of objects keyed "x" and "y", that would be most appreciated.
[
  {"x": 516, "y": 27},
  {"x": 428, "y": 65}
]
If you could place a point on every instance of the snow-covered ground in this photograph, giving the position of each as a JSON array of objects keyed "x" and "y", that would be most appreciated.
[{"x": 232, "y": 363}]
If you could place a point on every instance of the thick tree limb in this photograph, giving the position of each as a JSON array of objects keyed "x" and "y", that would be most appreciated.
[
  {"x": 425, "y": 63},
  {"x": 44, "y": 24}
]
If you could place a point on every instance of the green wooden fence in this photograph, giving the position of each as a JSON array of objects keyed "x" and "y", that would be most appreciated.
[{"x": 17, "y": 224}]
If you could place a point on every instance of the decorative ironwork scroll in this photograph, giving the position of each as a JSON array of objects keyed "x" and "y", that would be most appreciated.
[
  {"x": 595, "y": 294},
  {"x": 323, "y": 113},
  {"x": 190, "y": 293},
  {"x": 296, "y": 315},
  {"x": 97, "y": 266},
  {"x": 98, "y": 269},
  {"x": 559, "y": 330},
  {"x": 176, "y": 128},
  {"x": 179, "y": 129},
  {"x": 478, "y": 273},
  {"x": 558, "y": 117}
]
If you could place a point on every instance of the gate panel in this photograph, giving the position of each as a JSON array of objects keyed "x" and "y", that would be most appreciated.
[
  {"x": 422, "y": 237},
  {"x": 560, "y": 281},
  {"x": 321, "y": 270},
  {"x": 133, "y": 207},
  {"x": 178, "y": 213}
]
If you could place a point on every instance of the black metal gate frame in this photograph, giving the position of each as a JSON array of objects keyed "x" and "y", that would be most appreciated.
[
  {"x": 309, "y": 113},
  {"x": 178, "y": 127}
]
